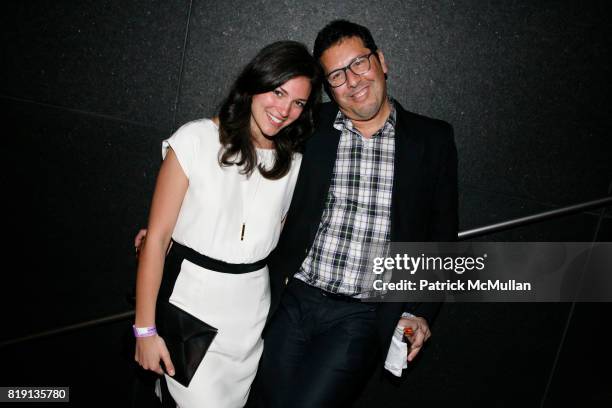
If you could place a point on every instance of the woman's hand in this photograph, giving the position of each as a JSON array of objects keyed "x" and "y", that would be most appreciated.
[{"x": 149, "y": 351}]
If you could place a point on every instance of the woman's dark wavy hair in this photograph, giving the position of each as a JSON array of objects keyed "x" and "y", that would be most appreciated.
[{"x": 274, "y": 65}]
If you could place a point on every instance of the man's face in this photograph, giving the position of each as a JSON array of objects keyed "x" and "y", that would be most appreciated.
[{"x": 361, "y": 97}]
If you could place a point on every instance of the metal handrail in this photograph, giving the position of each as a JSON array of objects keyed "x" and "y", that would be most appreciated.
[
  {"x": 487, "y": 229},
  {"x": 65, "y": 329},
  {"x": 531, "y": 219}
]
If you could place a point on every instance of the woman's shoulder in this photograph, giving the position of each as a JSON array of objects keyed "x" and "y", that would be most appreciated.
[
  {"x": 297, "y": 157},
  {"x": 201, "y": 130},
  {"x": 199, "y": 127},
  {"x": 296, "y": 162}
]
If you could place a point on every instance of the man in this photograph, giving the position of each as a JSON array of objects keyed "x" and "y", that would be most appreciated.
[{"x": 372, "y": 173}]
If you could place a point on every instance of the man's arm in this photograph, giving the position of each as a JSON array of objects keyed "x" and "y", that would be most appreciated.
[{"x": 444, "y": 228}]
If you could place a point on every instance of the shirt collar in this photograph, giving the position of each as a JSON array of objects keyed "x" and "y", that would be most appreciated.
[{"x": 342, "y": 122}]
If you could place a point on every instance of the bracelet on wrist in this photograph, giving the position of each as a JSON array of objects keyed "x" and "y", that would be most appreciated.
[{"x": 144, "y": 331}]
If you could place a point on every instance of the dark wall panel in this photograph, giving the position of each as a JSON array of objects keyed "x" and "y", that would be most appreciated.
[
  {"x": 224, "y": 36},
  {"x": 95, "y": 370},
  {"x": 120, "y": 59},
  {"x": 585, "y": 358},
  {"x": 525, "y": 87},
  {"x": 85, "y": 195}
]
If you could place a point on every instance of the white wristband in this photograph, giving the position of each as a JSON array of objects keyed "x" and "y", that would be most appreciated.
[{"x": 144, "y": 331}]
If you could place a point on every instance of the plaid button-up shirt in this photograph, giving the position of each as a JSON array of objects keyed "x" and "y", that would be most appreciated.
[{"x": 357, "y": 211}]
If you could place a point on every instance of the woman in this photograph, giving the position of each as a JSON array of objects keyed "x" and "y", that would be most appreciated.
[{"x": 222, "y": 191}]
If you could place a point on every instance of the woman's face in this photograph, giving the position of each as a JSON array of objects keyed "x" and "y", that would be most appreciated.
[{"x": 272, "y": 111}]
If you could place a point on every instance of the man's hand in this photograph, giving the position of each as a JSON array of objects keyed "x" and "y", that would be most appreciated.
[
  {"x": 139, "y": 240},
  {"x": 420, "y": 334}
]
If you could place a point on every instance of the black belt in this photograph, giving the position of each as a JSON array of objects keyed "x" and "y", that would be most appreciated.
[
  {"x": 215, "y": 264},
  {"x": 330, "y": 295}
]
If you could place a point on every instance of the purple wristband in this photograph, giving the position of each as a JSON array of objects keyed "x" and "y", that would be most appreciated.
[{"x": 144, "y": 331}]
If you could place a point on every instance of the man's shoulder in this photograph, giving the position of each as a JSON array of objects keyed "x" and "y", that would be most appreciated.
[
  {"x": 421, "y": 125},
  {"x": 417, "y": 119}
]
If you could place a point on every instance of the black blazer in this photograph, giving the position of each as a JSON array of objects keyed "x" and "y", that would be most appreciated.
[{"x": 424, "y": 201}]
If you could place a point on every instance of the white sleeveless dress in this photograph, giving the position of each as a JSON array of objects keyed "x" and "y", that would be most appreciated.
[{"x": 217, "y": 202}]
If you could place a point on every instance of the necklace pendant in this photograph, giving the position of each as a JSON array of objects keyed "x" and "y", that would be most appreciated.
[{"x": 242, "y": 231}]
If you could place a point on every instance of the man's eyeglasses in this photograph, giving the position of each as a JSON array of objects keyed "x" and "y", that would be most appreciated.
[{"x": 358, "y": 66}]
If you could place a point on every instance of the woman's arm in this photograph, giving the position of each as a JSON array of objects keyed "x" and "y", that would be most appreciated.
[{"x": 169, "y": 192}]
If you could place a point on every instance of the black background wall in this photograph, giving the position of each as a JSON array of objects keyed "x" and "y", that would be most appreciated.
[{"x": 89, "y": 89}]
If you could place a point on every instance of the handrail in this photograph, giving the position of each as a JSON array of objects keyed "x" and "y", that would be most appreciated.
[
  {"x": 65, "y": 329},
  {"x": 487, "y": 229},
  {"x": 531, "y": 219}
]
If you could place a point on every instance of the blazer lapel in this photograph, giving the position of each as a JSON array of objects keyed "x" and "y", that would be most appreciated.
[
  {"x": 409, "y": 150},
  {"x": 323, "y": 157}
]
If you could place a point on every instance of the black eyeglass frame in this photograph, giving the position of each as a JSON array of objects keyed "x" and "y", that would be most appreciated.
[{"x": 344, "y": 69}]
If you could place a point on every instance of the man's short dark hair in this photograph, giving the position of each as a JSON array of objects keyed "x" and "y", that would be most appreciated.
[{"x": 338, "y": 30}]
